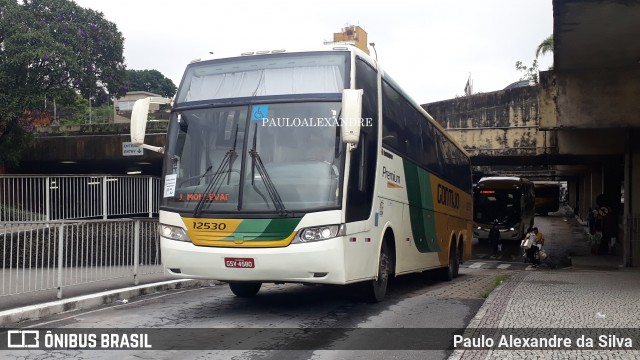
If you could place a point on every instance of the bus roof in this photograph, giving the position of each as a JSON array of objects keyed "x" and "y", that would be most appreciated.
[
  {"x": 248, "y": 53},
  {"x": 546, "y": 183}
]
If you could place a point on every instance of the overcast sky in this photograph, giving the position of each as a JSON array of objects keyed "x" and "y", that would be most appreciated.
[{"x": 429, "y": 47}]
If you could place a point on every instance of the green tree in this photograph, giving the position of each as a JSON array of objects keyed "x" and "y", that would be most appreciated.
[
  {"x": 528, "y": 73},
  {"x": 531, "y": 72},
  {"x": 52, "y": 49},
  {"x": 546, "y": 46},
  {"x": 151, "y": 81}
]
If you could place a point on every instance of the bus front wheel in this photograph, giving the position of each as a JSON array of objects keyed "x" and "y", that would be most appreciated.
[
  {"x": 245, "y": 289},
  {"x": 375, "y": 290}
]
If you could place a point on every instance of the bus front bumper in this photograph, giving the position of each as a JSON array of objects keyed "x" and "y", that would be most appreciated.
[{"x": 316, "y": 262}]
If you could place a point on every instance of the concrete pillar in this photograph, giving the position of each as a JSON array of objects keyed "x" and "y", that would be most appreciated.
[
  {"x": 632, "y": 196},
  {"x": 572, "y": 189},
  {"x": 585, "y": 195},
  {"x": 596, "y": 186},
  {"x": 627, "y": 220}
]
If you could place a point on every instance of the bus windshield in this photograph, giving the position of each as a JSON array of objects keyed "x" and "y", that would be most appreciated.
[
  {"x": 230, "y": 159},
  {"x": 499, "y": 204}
]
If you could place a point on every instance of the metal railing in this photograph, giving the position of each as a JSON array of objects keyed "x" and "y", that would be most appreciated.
[
  {"x": 43, "y": 198},
  {"x": 52, "y": 255}
]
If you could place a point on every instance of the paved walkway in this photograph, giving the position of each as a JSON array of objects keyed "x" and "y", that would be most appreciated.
[{"x": 593, "y": 297}]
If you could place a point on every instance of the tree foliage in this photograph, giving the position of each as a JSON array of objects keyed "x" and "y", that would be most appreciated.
[
  {"x": 546, "y": 46},
  {"x": 528, "y": 73},
  {"x": 531, "y": 72},
  {"x": 151, "y": 81},
  {"x": 52, "y": 49}
]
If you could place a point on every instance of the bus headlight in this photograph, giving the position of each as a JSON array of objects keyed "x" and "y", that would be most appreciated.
[
  {"x": 318, "y": 233},
  {"x": 173, "y": 232}
]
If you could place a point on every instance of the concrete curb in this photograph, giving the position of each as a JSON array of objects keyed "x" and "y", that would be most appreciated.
[
  {"x": 33, "y": 312},
  {"x": 477, "y": 320}
]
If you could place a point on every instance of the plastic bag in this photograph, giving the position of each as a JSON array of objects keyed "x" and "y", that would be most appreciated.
[
  {"x": 543, "y": 255},
  {"x": 526, "y": 242}
]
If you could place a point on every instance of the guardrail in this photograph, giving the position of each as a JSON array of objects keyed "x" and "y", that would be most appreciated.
[
  {"x": 44, "y": 198},
  {"x": 53, "y": 255},
  {"x": 153, "y": 127}
]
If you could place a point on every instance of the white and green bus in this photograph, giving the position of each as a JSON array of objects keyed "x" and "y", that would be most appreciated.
[{"x": 307, "y": 167}]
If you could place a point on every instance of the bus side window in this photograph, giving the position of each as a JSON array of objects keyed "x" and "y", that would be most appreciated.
[
  {"x": 364, "y": 158},
  {"x": 413, "y": 138},
  {"x": 429, "y": 156},
  {"x": 393, "y": 120}
]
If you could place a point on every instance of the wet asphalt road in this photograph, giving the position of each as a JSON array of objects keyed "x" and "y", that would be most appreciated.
[{"x": 414, "y": 301}]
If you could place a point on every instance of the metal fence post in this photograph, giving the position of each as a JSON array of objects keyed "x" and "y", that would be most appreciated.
[
  {"x": 47, "y": 202},
  {"x": 150, "y": 197},
  {"x": 60, "y": 258},
  {"x": 104, "y": 198},
  {"x": 136, "y": 250}
]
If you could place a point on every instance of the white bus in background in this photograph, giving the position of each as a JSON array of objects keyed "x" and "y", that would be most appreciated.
[{"x": 267, "y": 179}]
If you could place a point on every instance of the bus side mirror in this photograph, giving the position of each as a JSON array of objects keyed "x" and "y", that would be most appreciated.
[
  {"x": 351, "y": 116},
  {"x": 139, "y": 116}
]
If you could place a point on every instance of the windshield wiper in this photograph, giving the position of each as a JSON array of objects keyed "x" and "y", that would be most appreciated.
[
  {"x": 234, "y": 154},
  {"x": 256, "y": 163},
  {"x": 216, "y": 182}
]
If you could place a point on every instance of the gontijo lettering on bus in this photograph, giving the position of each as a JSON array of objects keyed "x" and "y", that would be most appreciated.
[{"x": 448, "y": 197}]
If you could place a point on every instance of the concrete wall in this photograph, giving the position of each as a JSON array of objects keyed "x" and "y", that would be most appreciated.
[
  {"x": 592, "y": 142},
  {"x": 497, "y": 123},
  {"x": 88, "y": 148},
  {"x": 596, "y": 99}
]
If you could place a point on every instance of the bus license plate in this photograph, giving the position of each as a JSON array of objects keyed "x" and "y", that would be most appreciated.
[{"x": 239, "y": 263}]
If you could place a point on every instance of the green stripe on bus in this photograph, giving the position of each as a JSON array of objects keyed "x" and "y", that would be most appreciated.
[
  {"x": 423, "y": 222},
  {"x": 264, "y": 229},
  {"x": 280, "y": 229}
]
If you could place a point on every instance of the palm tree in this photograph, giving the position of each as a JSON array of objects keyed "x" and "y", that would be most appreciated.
[{"x": 546, "y": 46}]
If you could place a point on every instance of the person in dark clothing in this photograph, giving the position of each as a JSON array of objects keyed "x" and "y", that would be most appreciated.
[{"x": 494, "y": 238}]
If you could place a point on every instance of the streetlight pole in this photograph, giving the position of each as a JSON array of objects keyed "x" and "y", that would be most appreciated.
[{"x": 373, "y": 46}]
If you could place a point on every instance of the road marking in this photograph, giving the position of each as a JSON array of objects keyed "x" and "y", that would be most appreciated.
[
  {"x": 504, "y": 266},
  {"x": 476, "y": 265}
]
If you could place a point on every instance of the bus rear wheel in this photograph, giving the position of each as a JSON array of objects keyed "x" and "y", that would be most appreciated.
[
  {"x": 375, "y": 290},
  {"x": 451, "y": 271},
  {"x": 245, "y": 289}
]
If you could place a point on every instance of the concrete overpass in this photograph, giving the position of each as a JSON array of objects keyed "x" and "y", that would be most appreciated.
[{"x": 93, "y": 149}]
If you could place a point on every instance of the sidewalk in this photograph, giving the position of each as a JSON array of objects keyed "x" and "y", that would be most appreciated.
[
  {"x": 584, "y": 301},
  {"x": 593, "y": 296}
]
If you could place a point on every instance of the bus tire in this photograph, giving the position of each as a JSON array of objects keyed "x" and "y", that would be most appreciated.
[
  {"x": 375, "y": 290},
  {"x": 452, "y": 269},
  {"x": 245, "y": 289}
]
